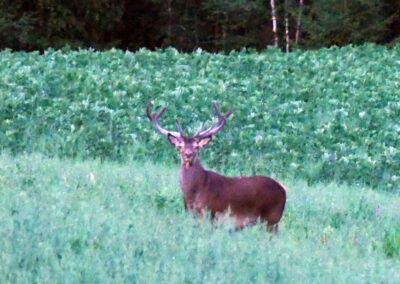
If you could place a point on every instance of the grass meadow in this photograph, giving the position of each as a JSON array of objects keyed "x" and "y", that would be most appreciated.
[
  {"x": 89, "y": 192},
  {"x": 71, "y": 221}
]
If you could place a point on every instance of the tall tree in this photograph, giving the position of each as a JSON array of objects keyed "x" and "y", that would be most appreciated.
[
  {"x": 391, "y": 9},
  {"x": 298, "y": 27},
  {"x": 233, "y": 24},
  {"x": 187, "y": 24},
  {"x": 287, "y": 36},
  {"x": 16, "y": 25},
  {"x": 333, "y": 22},
  {"x": 274, "y": 23}
]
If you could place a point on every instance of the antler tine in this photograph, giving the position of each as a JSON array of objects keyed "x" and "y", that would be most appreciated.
[
  {"x": 220, "y": 114},
  {"x": 200, "y": 129},
  {"x": 214, "y": 104},
  {"x": 214, "y": 129},
  {"x": 154, "y": 120},
  {"x": 178, "y": 125}
]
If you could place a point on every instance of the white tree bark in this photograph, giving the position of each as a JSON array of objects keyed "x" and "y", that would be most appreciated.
[
  {"x": 301, "y": 3},
  {"x": 274, "y": 28}
]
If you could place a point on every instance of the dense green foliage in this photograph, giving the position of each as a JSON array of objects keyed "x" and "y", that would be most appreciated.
[
  {"x": 92, "y": 222},
  {"x": 332, "y": 22},
  {"x": 212, "y": 25},
  {"x": 331, "y": 114}
]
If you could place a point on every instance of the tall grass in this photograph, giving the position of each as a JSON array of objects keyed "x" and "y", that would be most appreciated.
[{"x": 64, "y": 221}]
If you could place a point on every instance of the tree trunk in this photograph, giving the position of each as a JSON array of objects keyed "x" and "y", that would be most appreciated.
[
  {"x": 287, "y": 28},
  {"x": 301, "y": 3},
  {"x": 274, "y": 29}
]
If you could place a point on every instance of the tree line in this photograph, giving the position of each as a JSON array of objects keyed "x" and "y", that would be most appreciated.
[{"x": 213, "y": 25}]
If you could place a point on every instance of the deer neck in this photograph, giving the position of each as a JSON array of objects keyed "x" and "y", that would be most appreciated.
[{"x": 191, "y": 176}]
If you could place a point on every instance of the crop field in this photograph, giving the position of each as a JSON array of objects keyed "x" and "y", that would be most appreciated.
[
  {"x": 89, "y": 192},
  {"x": 326, "y": 115}
]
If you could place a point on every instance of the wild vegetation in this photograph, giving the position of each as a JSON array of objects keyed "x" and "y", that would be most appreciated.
[
  {"x": 68, "y": 221},
  {"x": 89, "y": 191},
  {"x": 331, "y": 114}
]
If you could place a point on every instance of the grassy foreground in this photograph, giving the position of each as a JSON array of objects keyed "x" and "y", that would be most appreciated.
[{"x": 64, "y": 221}]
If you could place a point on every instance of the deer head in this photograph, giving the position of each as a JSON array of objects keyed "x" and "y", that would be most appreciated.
[{"x": 188, "y": 146}]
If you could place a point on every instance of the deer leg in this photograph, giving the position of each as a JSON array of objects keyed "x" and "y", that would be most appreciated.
[
  {"x": 271, "y": 223},
  {"x": 272, "y": 228},
  {"x": 212, "y": 217},
  {"x": 271, "y": 218},
  {"x": 198, "y": 211}
]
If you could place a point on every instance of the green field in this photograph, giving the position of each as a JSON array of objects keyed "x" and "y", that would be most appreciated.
[
  {"x": 90, "y": 222},
  {"x": 326, "y": 115},
  {"x": 89, "y": 192}
]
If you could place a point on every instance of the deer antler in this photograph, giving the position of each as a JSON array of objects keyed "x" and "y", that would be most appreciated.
[
  {"x": 154, "y": 120},
  {"x": 200, "y": 133}
]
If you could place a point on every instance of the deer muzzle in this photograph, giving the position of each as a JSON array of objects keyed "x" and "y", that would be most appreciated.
[{"x": 188, "y": 159}]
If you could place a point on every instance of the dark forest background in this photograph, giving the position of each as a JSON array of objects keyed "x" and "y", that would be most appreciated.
[{"x": 213, "y": 25}]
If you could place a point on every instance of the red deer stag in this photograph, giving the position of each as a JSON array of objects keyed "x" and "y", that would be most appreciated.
[{"x": 248, "y": 198}]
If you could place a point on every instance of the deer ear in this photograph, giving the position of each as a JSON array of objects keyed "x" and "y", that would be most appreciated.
[
  {"x": 204, "y": 141},
  {"x": 176, "y": 141}
]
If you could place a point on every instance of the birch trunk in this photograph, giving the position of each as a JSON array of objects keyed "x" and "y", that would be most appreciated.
[
  {"x": 274, "y": 29},
  {"x": 287, "y": 28},
  {"x": 301, "y": 3}
]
